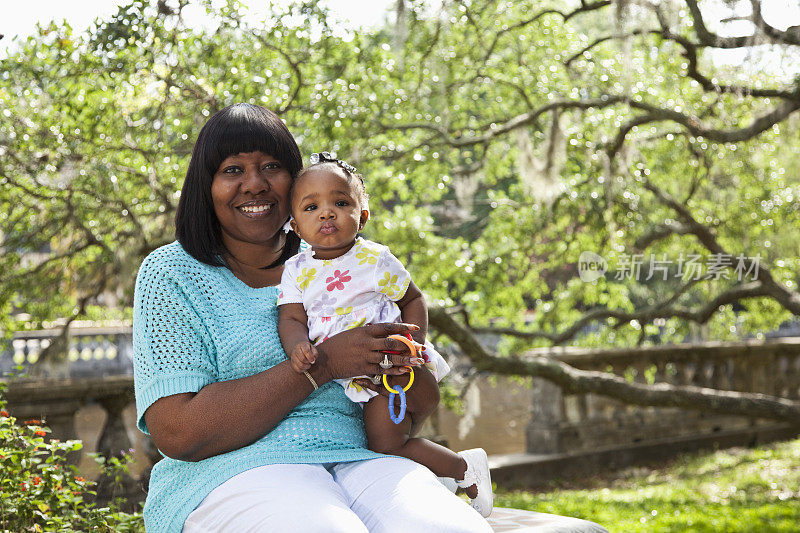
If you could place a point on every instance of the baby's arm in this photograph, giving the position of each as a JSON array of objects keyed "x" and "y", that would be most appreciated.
[
  {"x": 293, "y": 331},
  {"x": 413, "y": 310}
]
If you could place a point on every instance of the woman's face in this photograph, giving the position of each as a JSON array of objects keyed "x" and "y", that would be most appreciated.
[{"x": 251, "y": 199}]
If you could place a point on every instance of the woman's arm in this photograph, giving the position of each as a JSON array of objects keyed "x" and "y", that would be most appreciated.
[{"x": 228, "y": 415}]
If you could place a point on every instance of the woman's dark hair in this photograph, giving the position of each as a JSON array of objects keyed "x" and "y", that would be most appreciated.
[{"x": 239, "y": 128}]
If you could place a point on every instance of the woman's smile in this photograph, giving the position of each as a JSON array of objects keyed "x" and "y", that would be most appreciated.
[{"x": 256, "y": 208}]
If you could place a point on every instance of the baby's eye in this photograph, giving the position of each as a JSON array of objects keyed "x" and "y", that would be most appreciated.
[
  {"x": 342, "y": 203},
  {"x": 309, "y": 207}
]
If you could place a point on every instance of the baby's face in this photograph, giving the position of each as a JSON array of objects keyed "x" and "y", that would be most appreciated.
[{"x": 328, "y": 211}]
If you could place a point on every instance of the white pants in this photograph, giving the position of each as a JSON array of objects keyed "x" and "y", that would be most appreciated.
[{"x": 389, "y": 494}]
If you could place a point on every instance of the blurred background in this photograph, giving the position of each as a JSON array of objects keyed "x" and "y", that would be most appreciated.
[{"x": 598, "y": 198}]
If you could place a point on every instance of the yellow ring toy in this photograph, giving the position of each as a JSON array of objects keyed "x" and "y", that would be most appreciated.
[
  {"x": 408, "y": 386},
  {"x": 413, "y": 349}
]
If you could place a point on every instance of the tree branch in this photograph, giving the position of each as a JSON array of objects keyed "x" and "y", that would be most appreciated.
[
  {"x": 575, "y": 381},
  {"x": 790, "y": 300},
  {"x": 693, "y": 125}
]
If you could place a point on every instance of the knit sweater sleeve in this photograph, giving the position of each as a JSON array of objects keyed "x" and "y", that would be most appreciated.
[{"x": 171, "y": 346}]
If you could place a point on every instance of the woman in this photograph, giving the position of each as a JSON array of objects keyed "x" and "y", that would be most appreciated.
[{"x": 249, "y": 444}]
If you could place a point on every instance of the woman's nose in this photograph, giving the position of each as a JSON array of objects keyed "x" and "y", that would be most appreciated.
[{"x": 253, "y": 181}]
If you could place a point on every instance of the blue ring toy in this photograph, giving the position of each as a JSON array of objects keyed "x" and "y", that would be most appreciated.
[{"x": 399, "y": 417}]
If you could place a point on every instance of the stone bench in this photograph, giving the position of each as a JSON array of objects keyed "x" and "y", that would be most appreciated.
[{"x": 519, "y": 521}]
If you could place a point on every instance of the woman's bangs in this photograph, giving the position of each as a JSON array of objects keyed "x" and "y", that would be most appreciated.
[
  {"x": 239, "y": 137},
  {"x": 246, "y": 128}
]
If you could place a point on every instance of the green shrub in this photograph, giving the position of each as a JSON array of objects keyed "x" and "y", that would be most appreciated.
[{"x": 40, "y": 491}]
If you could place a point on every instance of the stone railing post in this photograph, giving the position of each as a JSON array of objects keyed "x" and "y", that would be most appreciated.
[
  {"x": 543, "y": 434},
  {"x": 114, "y": 437},
  {"x": 113, "y": 442}
]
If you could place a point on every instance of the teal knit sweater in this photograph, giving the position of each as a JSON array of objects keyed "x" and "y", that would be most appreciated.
[{"x": 195, "y": 324}]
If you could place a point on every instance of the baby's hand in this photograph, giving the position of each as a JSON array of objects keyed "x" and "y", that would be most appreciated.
[{"x": 303, "y": 356}]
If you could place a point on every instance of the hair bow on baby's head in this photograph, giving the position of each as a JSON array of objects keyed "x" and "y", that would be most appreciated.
[{"x": 330, "y": 157}]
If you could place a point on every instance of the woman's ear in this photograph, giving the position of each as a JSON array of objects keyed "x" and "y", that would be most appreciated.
[{"x": 364, "y": 218}]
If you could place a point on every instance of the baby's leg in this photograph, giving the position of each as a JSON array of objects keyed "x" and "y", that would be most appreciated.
[{"x": 384, "y": 436}]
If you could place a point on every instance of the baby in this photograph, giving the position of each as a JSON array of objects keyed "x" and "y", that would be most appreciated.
[{"x": 345, "y": 281}]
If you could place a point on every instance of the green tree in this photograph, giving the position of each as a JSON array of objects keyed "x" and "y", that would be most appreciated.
[{"x": 499, "y": 140}]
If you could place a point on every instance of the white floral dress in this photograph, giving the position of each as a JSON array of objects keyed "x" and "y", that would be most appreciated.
[{"x": 355, "y": 289}]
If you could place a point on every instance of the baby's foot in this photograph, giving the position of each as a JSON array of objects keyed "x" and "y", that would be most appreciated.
[{"x": 477, "y": 481}]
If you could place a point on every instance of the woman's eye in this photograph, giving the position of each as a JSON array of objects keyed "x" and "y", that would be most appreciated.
[
  {"x": 230, "y": 170},
  {"x": 272, "y": 166}
]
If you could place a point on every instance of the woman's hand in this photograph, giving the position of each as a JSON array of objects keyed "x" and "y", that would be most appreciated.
[{"x": 357, "y": 352}]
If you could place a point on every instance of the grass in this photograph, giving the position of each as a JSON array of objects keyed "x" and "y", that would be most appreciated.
[{"x": 735, "y": 490}]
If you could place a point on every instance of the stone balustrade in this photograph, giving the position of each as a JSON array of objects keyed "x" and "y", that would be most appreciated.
[
  {"x": 90, "y": 352},
  {"x": 583, "y": 422},
  {"x": 100, "y": 375}
]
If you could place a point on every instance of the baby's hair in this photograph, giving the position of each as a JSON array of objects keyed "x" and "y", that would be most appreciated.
[{"x": 349, "y": 172}]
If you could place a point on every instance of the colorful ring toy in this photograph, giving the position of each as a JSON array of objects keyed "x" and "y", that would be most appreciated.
[
  {"x": 407, "y": 340},
  {"x": 408, "y": 385},
  {"x": 397, "y": 418},
  {"x": 402, "y": 414}
]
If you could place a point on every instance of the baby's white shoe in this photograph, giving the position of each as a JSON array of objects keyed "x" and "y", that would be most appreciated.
[{"x": 478, "y": 474}]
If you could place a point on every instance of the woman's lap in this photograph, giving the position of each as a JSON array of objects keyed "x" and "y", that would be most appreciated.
[
  {"x": 275, "y": 498},
  {"x": 394, "y": 494},
  {"x": 376, "y": 496}
]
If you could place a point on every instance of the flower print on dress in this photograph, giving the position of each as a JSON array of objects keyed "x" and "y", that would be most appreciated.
[
  {"x": 344, "y": 310},
  {"x": 385, "y": 261},
  {"x": 358, "y": 323},
  {"x": 356, "y": 386},
  {"x": 338, "y": 280},
  {"x": 404, "y": 286},
  {"x": 367, "y": 255},
  {"x": 323, "y": 305},
  {"x": 301, "y": 258},
  {"x": 306, "y": 276},
  {"x": 385, "y": 312},
  {"x": 388, "y": 285}
]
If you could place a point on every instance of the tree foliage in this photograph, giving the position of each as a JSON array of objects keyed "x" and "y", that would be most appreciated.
[{"x": 499, "y": 140}]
